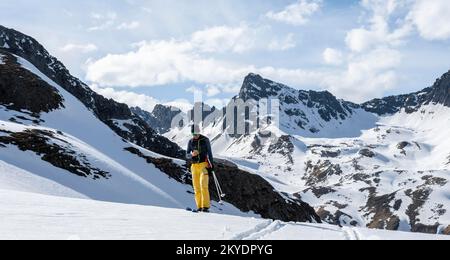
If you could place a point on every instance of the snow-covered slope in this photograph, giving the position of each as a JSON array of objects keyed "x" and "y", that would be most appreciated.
[
  {"x": 110, "y": 172},
  {"x": 28, "y": 216},
  {"x": 389, "y": 169}
]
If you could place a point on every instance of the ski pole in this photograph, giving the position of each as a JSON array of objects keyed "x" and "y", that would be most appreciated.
[{"x": 219, "y": 189}]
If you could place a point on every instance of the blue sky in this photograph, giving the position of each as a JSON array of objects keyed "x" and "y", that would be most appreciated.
[{"x": 146, "y": 52}]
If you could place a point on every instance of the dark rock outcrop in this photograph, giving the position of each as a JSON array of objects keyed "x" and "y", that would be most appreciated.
[
  {"x": 379, "y": 206},
  {"x": 367, "y": 153},
  {"x": 419, "y": 197},
  {"x": 446, "y": 231},
  {"x": 403, "y": 145},
  {"x": 41, "y": 143},
  {"x": 440, "y": 92},
  {"x": 317, "y": 173},
  {"x": 22, "y": 90},
  {"x": 107, "y": 110},
  {"x": 283, "y": 146}
]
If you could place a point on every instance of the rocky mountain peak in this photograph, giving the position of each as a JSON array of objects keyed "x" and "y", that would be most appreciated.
[
  {"x": 440, "y": 91},
  {"x": 256, "y": 87}
]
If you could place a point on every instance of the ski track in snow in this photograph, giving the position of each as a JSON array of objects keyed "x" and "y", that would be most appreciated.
[
  {"x": 351, "y": 233},
  {"x": 261, "y": 230}
]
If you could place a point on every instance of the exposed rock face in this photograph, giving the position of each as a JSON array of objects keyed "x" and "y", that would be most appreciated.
[
  {"x": 402, "y": 145},
  {"x": 446, "y": 231},
  {"x": 439, "y": 93},
  {"x": 160, "y": 118},
  {"x": 367, "y": 153},
  {"x": 283, "y": 146},
  {"x": 317, "y": 173},
  {"x": 251, "y": 192},
  {"x": 328, "y": 106},
  {"x": 248, "y": 192},
  {"x": 419, "y": 197},
  {"x": 42, "y": 143},
  {"x": 22, "y": 90},
  {"x": 379, "y": 206},
  {"x": 106, "y": 110}
]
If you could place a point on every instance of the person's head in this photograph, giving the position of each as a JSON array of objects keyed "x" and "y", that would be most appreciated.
[{"x": 195, "y": 131}]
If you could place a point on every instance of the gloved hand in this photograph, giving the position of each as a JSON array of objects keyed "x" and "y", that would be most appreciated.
[{"x": 210, "y": 169}]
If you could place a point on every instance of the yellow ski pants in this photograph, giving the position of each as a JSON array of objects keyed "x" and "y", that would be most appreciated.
[{"x": 200, "y": 181}]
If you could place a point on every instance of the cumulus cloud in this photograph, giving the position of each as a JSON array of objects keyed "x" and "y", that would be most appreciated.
[
  {"x": 366, "y": 76},
  {"x": 164, "y": 62},
  {"x": 224, "y": 38},
  {"x": 297, "y": 13},
  {"x": 332, "y": 56},
  {"x": 212, "y": 90},
  {"x": 83, "y": 48},
  {"x": 372, "y": 58},
  {"x": 239, "y": 39},
  {"x": 130, "y": 98},
  {"x": 284, "y": 44},
  {"x": 432, "y": 19},
  {"x": 379, "y": 32},
  {"x": 145, "y": 102},
  {"x": 217, "y": 102},
  {"x": 183, "y": 104}
]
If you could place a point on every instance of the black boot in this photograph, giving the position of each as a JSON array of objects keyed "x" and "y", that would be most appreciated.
[{"x": 204, "y": 210}]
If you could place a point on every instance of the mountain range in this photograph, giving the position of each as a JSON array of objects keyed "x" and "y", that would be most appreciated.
[{"x": 381, "y": 164}]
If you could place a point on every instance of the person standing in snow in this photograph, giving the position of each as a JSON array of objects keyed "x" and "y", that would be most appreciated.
[{"x": 200, "y": 152}]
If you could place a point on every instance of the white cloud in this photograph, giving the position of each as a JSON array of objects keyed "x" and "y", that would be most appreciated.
[
  {"x": 432, "y": 18},
  {"x": 165, "y": 62},
  {"x": 162, "y": 62},
  {"x": 370, "y": 66},
  {"x": 281, "y": 45},
  {"x": 217, "y": 102},
  {"x": 128, "y": 26},
  {"x": 231, "y": 88},
  {"x": 379, "y": 33},
  {"x": 194, "y": 90},
  {"x": 212, "y": 90},
  {"x": 83, "y": 48},
  {"x": 239, "y": 39},
  {"x": 130, "y": 98},
  {"x": 366, "y": 76},
  {"x": 183, "y": 104},
  {"x": 224, "y": 38},
  {"x": 145, "y": 102},
  {"x": 297, "y": 13},
  {"x": 102, "y": 21},
  {"x": 333, "y": 56}
]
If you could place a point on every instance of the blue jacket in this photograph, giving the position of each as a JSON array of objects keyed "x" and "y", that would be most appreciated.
[{"x": 203, "y": 146}]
